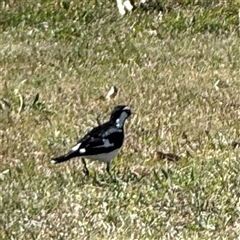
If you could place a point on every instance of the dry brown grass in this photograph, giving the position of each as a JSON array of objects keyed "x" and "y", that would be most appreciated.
[{"x": 181, "y": 80}]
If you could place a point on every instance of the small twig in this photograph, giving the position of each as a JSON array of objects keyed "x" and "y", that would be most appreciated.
[{"x": 98, "y": 120}]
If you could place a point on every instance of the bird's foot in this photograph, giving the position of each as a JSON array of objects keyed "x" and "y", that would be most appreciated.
[{"x": 86, "y": 172}]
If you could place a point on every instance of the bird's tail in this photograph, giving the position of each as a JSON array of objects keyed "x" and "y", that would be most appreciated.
[{"x": 65, "y": 157}]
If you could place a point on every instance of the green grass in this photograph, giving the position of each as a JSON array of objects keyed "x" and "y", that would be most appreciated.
[{"x": 178, "y": 71}]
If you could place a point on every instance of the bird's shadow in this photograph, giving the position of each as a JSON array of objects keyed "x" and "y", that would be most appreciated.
[{"x": 125, "y": 176}]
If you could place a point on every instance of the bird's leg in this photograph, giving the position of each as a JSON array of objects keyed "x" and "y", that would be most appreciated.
[
  {"x": 85, "y": 170},
  {"x": 108, "y": 171}
]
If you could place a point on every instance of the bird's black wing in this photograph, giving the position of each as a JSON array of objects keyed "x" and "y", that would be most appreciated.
[
  {"x": 101, "y": 140},
  {"x": 99, "y": 131}
]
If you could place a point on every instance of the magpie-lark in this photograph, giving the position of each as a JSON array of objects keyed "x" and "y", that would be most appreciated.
[{"x": 102, "y": 142}]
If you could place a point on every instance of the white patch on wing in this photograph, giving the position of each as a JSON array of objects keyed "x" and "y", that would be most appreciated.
[
  {"x": 82, "y": 150},
  {"x": 76, "y": 147},
  {"x": 106, "y": 144},
  {"x": 104, "y": 157}
]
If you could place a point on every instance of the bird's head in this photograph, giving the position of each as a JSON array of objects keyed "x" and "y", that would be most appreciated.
[{"x": 120, "y": 114}]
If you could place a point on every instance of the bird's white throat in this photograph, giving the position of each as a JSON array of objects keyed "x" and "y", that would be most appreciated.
[{"x": 120, "y": 121}]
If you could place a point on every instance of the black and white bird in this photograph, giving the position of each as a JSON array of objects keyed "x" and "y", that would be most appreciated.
[{"x": 102, "y": 143}]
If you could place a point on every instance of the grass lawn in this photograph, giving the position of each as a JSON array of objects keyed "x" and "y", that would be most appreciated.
[{"x": 178, "y": 70}]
